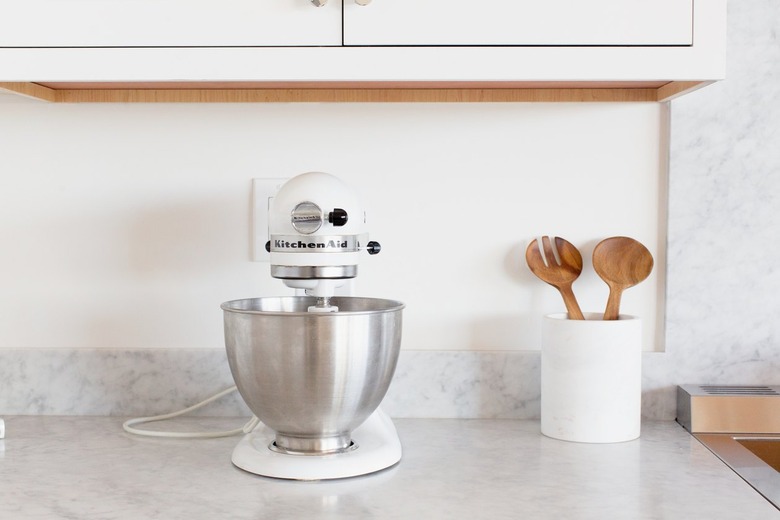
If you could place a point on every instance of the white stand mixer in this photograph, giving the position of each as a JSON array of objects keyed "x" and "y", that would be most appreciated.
[{"x": 314, "y": 368}]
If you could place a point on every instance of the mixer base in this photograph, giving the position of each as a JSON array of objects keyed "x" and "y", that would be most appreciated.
[{"x": 378, "y": 447}]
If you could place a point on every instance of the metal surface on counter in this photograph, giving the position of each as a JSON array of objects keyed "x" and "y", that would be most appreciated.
[
  {"x": 741, "y": 426},
  {"x": 729, "y": 409},
  {"x": 754, "y": 466}
]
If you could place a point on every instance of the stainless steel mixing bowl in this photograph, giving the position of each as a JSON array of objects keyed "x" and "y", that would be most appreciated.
[{"x": 312, "y": 377}]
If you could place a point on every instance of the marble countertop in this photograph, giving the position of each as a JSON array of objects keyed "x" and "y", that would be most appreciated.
[{"x": 88, "y": 468}]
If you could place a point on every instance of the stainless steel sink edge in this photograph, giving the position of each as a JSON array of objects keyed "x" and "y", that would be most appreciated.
[
  {"x": 721, "y": 416},
  {"x": 757, "y": 473}
]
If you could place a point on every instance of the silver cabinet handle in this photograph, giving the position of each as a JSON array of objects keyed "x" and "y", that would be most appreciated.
[{"x": 362, "y": 2}]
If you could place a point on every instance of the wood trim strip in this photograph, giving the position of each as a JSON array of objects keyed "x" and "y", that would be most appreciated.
[
  {"x": 675, "y": 89},
  {"x": 32, "y": 90},
  {"x": 666, "y": 92},
  {"x": 345, "y": 95}
]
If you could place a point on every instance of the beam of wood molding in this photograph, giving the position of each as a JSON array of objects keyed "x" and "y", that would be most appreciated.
[
  {"x": 665, "y": 92},
  {"x": 346, "y": 95},
  {"x": 676, "y": 89},
  {"x": 32, "y": 90}
]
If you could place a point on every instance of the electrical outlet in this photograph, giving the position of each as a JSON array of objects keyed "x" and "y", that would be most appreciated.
[{"x": 263, "y": 190}]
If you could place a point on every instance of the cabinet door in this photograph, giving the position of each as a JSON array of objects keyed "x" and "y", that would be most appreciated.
[
  {"x": 519, "y": 22},
  {"x": 168, "y": 23}
]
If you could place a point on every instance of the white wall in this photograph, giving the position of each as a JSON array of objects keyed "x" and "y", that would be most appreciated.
[
  {"x": 724, "y": 224},
  {"x": 125, "y": 226}
]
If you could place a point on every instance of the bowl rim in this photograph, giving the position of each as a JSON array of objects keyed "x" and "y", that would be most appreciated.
[{"x": 238, "y": 306}]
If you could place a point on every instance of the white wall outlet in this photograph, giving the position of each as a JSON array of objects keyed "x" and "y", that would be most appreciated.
[{"x": 263, "y": 190}]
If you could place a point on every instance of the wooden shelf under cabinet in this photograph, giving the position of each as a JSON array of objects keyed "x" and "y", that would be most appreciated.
[{"x": 353, "y": 92}]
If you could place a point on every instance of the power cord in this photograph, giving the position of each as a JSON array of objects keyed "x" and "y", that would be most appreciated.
[{"x": 248, "y": 427}]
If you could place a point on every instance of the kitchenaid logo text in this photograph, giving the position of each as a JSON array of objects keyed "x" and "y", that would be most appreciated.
[
  {"x": 318, "y": 244},
  {"x": 330, "y": 244}
]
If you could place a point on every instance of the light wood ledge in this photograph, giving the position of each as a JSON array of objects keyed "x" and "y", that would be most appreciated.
[{"x": 544, "y": 92}]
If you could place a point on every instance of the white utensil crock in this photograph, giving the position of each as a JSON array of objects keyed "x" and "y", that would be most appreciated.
[{"x": 591, "y": 378}]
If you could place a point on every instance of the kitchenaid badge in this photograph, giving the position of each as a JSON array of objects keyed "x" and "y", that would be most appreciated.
[{"x": 318, "y": 244}]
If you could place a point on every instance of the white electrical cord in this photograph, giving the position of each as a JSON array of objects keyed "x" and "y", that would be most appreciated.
[{"x": 248, "y": 427}]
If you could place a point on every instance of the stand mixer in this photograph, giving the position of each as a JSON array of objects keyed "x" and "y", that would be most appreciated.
[{"x": 314, "y": 368}]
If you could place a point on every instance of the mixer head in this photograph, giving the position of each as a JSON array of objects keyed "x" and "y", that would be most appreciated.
[{"x": 317, "y": 230}]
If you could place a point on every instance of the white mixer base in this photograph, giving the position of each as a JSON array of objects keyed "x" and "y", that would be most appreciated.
[{"x": 378, "y": 448}]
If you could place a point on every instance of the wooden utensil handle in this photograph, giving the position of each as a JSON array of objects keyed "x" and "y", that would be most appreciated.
[
  {"x": 572, "y": 307},
  {"x": 613, "y": 304}
]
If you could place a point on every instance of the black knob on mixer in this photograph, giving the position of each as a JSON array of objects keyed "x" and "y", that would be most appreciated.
[
  {"x": 373, "y": 248},
  {"x": 338, "y": 217},
  {"x": 268, "y": 246}
]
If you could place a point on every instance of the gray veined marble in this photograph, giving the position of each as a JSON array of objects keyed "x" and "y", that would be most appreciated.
[
  {"x": 156, "y": 381},
  {"x": 88, "y": 468},
  {"x": 724, "y": 222}
]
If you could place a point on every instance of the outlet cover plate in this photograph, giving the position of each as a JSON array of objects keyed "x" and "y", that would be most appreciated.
[{"x": 263, "y": 190}]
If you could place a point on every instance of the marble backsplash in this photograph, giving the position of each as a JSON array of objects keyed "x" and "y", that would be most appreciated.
[
  {"x": 722, "y": 284},
  {"x": 156, "y": 381},
  {"x": 427, "y": 384}
]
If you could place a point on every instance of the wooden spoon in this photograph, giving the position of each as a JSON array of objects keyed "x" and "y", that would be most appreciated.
[
  {"x": 621, "y": 262},
  {"x": 559, "y": 270}
]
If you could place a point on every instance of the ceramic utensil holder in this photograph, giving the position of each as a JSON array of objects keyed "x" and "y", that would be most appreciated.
[{"x": 591, "y": 378}]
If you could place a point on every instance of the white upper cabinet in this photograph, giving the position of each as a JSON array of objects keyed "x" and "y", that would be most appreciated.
[
  {"x": 168, "y": 23},
  {"x": 68, "y": 50},
  {"x": 519, "y": 22}
]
